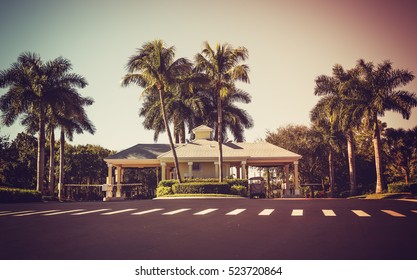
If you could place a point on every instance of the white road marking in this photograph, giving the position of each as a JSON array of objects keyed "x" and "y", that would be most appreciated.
[
  {"x": 235, "y": 212},
  {"x": 204, "y": 212},
  {"x": 176, "y": 211},
  {"x": 297, "y": 212},
  {"x": 14, "y": 213},
  {"x": 329, "y": 213},
  {"x": 266, "y": 212},
  {"x": 119, "y": 211},
  {"x": 90, "y": 212},
  {"x": 63, "y": 212},
  {"x": 148, "y": 211},
  {"x": 361, "y": 213},
  {"x": 35, "y": 213},
  {"x": 393, "y": 213},
  {"x": 415, "y": 211},
  {"x": 4, "y": 212}
]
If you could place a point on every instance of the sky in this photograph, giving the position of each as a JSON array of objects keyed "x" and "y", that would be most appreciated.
[{"x": 290, "y": 43}]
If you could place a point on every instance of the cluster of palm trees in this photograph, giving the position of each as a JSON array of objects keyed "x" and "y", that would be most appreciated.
[
  {"x": 359, "y": 97},
  {"x": 44, "y": 95},
  {"x": 184, "y": 94}
]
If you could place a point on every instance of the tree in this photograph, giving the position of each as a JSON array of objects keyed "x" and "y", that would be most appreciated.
[
  {"x": 34, "y": 90},
  {"x": 153, "y": 68},
  {"x": 222, "y": 67},
  {"x": 377, "y": 92},
  {"x": 337, "y": 91}
]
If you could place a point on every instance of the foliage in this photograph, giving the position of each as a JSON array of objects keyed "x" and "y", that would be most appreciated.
[
  {"x": 238, "y": 190},
  {"x": 163, "y": 191},
  {"x": 201, "y": 187},
  {"x": 167, "y": 183},
  {"x": 19, "y": 195},
  {"x": 398, "y": 187}
]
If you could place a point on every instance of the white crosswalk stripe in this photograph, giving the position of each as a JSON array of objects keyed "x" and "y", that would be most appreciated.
[
  {"x": 297, "y": 212},
  {"x": 90, "y": 212},
  {"x": 207, "y": 211},
  {"x": 415, "y": 211},
  {"x": 235, "y": 212},
  {"x": 14, "y": 213},
  {"x": 35, "y": 213},
  {"x": 393, "y": 213},
  {"x": 63, "y": 212},
  {"x": 176, "y": 211},
  {"x": 118, "y": 212},
  {"x": 148, "y": 211},
  {"x": 266, "y": 212},
  {"x": 4, "y": 212},
  {"x": 328, "y": 213},
  {"x": 361, "y": 213}
]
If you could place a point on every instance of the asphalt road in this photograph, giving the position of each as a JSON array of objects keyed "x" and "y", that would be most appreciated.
[{"x": 228, "y": 229}]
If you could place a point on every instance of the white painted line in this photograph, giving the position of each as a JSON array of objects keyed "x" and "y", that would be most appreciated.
[
  {"x": 148, "y": 211},
  {"x": 266, "y": 212},
  {"x": 4, "y": 212},
  {"x": 63, "y": 212},
  {"x": 297, "y": 212},
  {"x": 361, "y": 213},
  {"x": 118, "y": 212},
  {"x": 35, "y": 213},
  {"x": 90, "y": 212},
  {"x": 393, "y": 213},
  {"x": 235, "y": 212},
  {"x": 176, "y": 211},
  {"x": 329, "y": 213},
  {"x": 415, "y": 211},
  {"x": 204, "y": 212},
  {"x": 14, "y": 213}
]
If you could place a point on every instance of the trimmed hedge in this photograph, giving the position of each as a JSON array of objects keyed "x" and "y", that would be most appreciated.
[
  {"x": 19, "y": 195},
  {"x": 161, "y": 191},
  {"x": 167, "y": 183},
  {"x": 402, "y": 187},
  {"x": 238, "y": 190},
  {"x": 201, "y": 187}
]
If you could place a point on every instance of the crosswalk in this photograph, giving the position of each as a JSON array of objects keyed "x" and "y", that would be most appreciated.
[{"x": 203, "y": 212}]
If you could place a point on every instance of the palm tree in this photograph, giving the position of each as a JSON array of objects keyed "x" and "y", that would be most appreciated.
[
  {"x": 153, "y": 68},
  {"x": 377, "y": 92},
  {"x": 222, "y": 66},
  {"x": 338, "y": 92},
  {"x": 34, "y": 88}
]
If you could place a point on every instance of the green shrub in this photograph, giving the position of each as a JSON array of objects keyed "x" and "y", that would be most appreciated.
[
  {"x": 237, "y": 182},
  {"x": 162, "y": 191},
  {"x": 238, "y": 190},
  {"x": 167, "y": 183},
  {"x": 398, "y": 188},
  {"x": 201, "y": 187},
  {"x": 19, "y": 195}
]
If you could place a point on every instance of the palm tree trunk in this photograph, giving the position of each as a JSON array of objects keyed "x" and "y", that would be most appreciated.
[
  {"x": 182, "y": 132},
  {"x": 52, "y": 162},
  {"x": 219, "y": 134},
  {"x": 378, "y": 160},
  {"x": 40, "y": 168},
  {"x": 171, "y": 143},
  {"x": 351, "y": 159},
  {"x": 61, "y": 164},
  {"x": 331, "y": 172}
]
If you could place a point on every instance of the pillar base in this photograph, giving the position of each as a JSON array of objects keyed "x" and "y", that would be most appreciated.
[{"x": 113, "y": 199}]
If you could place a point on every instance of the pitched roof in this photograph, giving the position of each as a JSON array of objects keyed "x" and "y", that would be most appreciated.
[{"x": 142, "y": 151}]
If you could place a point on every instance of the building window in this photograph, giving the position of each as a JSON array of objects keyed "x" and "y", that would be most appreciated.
[{"x": 196, "y": 166}]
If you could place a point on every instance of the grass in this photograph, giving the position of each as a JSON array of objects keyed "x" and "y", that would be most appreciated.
[
  {"x": 201, "y": 195},
  {"x": 384, "y": 196}
]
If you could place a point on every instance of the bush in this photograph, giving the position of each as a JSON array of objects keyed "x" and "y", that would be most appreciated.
[
  {"x": 398, "y": 188},
  {"x": 413, "y": 188},
  {"x": 167, "y": 183},
  {"x": 237, "y": 182},
  {"x": 201, "y": 187},
  {"x": 238, "y": 190},
  {"x": 19, "y": 195},
  {"x": 320, "y": 194},
  {"x": 162, "y": 191}
]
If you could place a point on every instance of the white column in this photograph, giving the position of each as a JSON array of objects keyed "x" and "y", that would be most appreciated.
[
  {"x": 119, "y": 181},
  {"x": 296, "y": 183},
  {"x": 163, "y": 170},
  {"x": 244, "y": 173},
  {"x": 190, "y": 169},
  {"x": 216, "y": 169},
  {"x": 109, "y": 181},
  {"x": 287, "y": 177}
]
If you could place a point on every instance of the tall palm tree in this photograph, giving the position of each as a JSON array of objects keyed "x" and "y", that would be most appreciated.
[
  {"x": 377, "y": 92},
  {"x": 153, "y": 68},
  {"x": 223, "y": 67},
  {"x": 338, "y": 92},
  {"x": 34, "y": 88}
]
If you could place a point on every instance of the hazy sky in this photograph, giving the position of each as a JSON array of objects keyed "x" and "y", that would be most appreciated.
[{"x": 290, "y": 43}]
